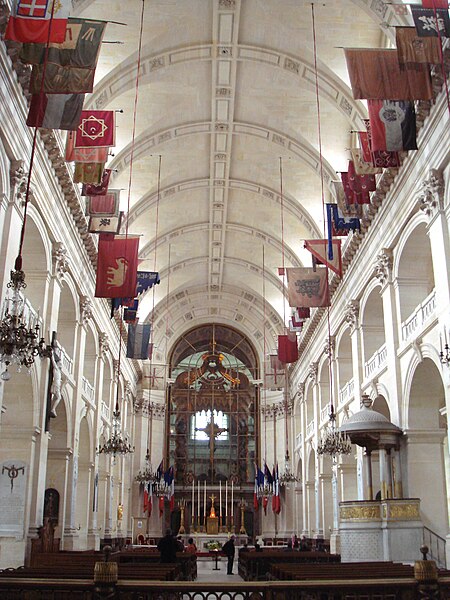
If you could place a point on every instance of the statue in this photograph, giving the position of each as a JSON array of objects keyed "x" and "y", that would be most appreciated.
[
  {"x": 120, "y": 512},
  {"x": 56, "y": 386}
]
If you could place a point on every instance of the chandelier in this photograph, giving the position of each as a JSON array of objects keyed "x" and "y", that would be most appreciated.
[
  {"x": 288, "y": 476},
  {"x": 117, "y": 443},
  {"x": 333, "y": 441},
  {"x": 20, "y": 340},
  {"x": 147, "y": 475}
]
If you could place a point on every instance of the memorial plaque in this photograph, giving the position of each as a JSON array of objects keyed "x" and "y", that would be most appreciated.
[{"x": 13, "y": 478}]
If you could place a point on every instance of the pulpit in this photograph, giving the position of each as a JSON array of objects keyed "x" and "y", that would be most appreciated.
[{"x": 212, "y": 525}]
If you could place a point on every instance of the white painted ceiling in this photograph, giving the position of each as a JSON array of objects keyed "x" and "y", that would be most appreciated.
[{"x": 226, "y": 88}]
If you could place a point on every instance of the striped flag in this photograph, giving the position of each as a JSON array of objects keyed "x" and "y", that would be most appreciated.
[
  {"x": 138, "y": 340},
  {"x": 33, "y": 21}
]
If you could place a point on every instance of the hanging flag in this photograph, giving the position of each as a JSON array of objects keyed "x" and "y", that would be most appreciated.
[
  {"x": 138, "y": 340},
  {"x": 425, "y": 22},
  {"x": 295, "y": 325},
  {"x": 276, "y": 500},
  {"x": 61, "y": 80},
  {"x": 352, "y": 196},
  {"x": 84, "y": 155},
  {"x": 320, "y": 249},
  {"x": 32, "y": 21},
  {"x": 110, "y": 225},
  {"x": 145, "y": 497},
  {"x": 88, "y": 172},
  {"x": 150, "y": 499},
  {"x": 287, "y": 348},
  {"x": 161, "y": 506},
  {"x": 376, "y": 74},
  {"x": 80, "y": 48},
  {"x": 342, "y": 225},
  {"x": 103, "y": 206},
  {"x": 130, "y": 314},
  {"x": 55, "y": 111},
  {"x": 268, "y": 479},
  {"x": 97, "y": 128},
  {"x": 435, "y": 4},
  {"x": 307, "y": 287},
  {"x": 347, "y": 209},
  {"x": 379, "y": 158},
  {"x": 117, "y": 267},
  {"x": 146, "y": 280},
  {"x": 415, "y": 52},
  {"x": 98, "y": 190},
  {"x": 392, "y": 125},
  {"x": 360, "y": 183},
  {"x": 361, "y": 166},
  {"x": 303, "y": 312}
]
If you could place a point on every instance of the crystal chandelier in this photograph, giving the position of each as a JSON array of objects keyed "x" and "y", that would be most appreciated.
[
  {"x": 288, "y": 476},
  {"x": 333, "y": 441},
  {"x": 20, "y": 340},
  {"x": 117, "y": 443},
  {"x": 147, "y": 475}
]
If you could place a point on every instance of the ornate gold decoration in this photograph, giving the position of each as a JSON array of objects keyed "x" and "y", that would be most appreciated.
[
  {"x": 362, "y": 513},
  {"x": 406, "y": 511}
]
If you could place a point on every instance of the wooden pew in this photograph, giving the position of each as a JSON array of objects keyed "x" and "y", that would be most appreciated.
[{"x": 255, "y": 566}]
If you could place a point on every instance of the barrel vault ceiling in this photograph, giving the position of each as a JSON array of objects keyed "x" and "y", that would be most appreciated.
[{"x": 226, "y": 89}]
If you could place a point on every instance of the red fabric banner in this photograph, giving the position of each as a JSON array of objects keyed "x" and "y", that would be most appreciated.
[
  {"x": 435, "y": 3},
  {"x": 287, "y": 349},
  {"x": 117, "y": 265},
  {"x": 320, "y": 249},
  {"x": 101, "y": 189},
  {"x": 96, "y": 129},
  {"x": 31, "y": 21},
  {"x": 84, "y": 155},
  {"x": 360, "y": 183}
]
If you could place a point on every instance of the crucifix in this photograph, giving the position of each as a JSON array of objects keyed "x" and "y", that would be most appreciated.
[
  {"x": 212, "y": 431},
  {"x": 212, "y": 512}
]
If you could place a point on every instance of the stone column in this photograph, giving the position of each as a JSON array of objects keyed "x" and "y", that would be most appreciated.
[
  {"x": 397, "y": 474},
  {"x": 368, "y": 485},
  {"x": 352, "y": 318},
  {"x": 313, "y": 374},
  {"x": 303, "y": 452},
  {"x": 384, "y": 485}
]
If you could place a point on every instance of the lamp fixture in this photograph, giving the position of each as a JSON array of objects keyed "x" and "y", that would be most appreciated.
[
  {"x": 332, "y": 441},
  {"x": 20, "y": 339},
  {"x": 444, "y": 354},
  {"x": 288, "y": 476},
  {"x": 117, "y": 443},
  {"x": 147, "y": 475}
]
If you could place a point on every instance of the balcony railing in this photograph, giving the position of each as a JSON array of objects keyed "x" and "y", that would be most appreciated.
[
  {"x": 310, "y": 428},
  {"x": 417, "y": 319},
  {"x": 106, "y": 413},
  {"x": 325, "y": 413},
  {"x": 87, "y": 390},
  {"x": 347, "y": 392},
  {"x": 298, "y": 442},
  {"x": 376, "y": 362},
  {"x": 67, "y": 362}
]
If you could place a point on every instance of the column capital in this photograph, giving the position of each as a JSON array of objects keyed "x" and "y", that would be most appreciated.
[
  {"x": 85, "y": 309},
  {"x": 104, "y": 344},
  {"x": 330, "y": 346},
  {"x": 383, "y": 266},
  {"x": 60, "y": 259},
  {"x": 18, "y": 178},
  {"x": 313, "y": 371},
  {"x": 301, "y": 391},
  {"x": 351, "y": 314},
  {"x": 431, "y": 197}
]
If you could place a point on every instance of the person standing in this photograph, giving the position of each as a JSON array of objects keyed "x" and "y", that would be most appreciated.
[
  {"x": 168, "y": 547},
  {"x": 228, "y": 549}
]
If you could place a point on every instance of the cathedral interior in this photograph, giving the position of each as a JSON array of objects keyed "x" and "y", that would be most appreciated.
[{"x": 234, "y": 120}]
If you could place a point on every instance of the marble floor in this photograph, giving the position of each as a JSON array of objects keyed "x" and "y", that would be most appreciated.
[{"x": 206, "y": 571}]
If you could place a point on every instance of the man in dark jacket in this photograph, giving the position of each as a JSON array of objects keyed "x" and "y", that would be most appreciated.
[
  {"x": 168, "y": 547},
  {"x": 228, "y": 549}
]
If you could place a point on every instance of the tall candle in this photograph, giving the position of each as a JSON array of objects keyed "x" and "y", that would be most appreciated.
[
  {"x": 232, "y": 498},
  {"x": 198, "y": 500},
  {"x": 193, "y": 499},
  {"x": 226, "y": 499},
  {"x": 204, "y": 500},
  {"x": 220, "y": 502}
]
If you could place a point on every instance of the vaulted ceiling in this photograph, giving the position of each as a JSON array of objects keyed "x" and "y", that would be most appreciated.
[{"x": 227, "y": 88}]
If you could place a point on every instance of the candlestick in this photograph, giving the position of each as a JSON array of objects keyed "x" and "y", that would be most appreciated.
[
  {"x": 198, "y": 503},
  {"x": 440, "y": 341},
  {"x": 446, "y": 342},
  {"x": 204, "y": 505},
  {"x": 193, "y": 499},
  {"x": 232, "y": 498},
  {"x": 226, "y": 501},
  {"x": 220, "y": 504}
]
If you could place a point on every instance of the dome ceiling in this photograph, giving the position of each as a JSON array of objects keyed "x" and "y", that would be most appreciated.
[{"x": 227, "y": 88}]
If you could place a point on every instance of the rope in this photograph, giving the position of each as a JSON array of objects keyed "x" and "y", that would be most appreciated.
[
  {"x": 18, "y": 261},
  {"x": 282, "y": 238},
  {"x": 265, "y": 352},
  {"x": 319, "y": 135},
  {"x": 441, "y": 55},
  {"x": 133, "y": 137}
]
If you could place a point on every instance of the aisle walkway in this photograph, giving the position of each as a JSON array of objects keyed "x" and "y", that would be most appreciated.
[{"x": 207, "y": 573}]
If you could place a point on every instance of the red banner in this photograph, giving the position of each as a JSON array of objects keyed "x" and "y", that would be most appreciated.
[
  {"x": 287, "y": 348},
  {"x": 96, "y": 129},
  {"x": 117, "y": 265}
]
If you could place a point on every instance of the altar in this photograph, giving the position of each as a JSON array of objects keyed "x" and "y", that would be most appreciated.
[{"x": 202, "y": 540}]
